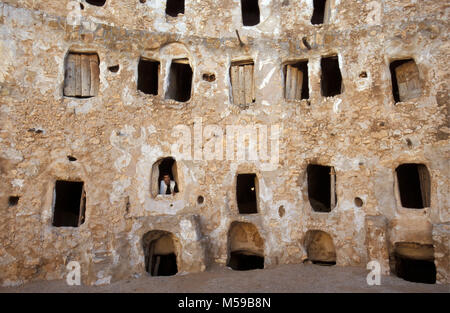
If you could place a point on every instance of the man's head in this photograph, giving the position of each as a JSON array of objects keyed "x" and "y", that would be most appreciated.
[{"x": 166, "y": 178}]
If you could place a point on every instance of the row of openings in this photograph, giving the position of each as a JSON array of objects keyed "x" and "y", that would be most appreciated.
[
  {"x": 249, "y": 8},
  {"x": 413, "y": 183},
  {"x": 81, "y": 78},
  {"x": 245, "y": 250},
  {"x": 410, "y": 261}
]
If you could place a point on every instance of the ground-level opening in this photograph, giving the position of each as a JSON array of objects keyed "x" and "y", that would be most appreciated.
[
  {"x": 160, "y": 253},
  {"x": 250, "y": 12},
  {"x": 174, "y": 7},
  {"x": 320, "y": 248},
  {"x": 161, "y": 185},
  {"x": 148, "y": 72},
  {"x": 246, "y": 193},
  {"x": 180, "y": 81},
  {"x": 405, "y": 80},
  {"x": 245, "y": 247},
  {"x": 296, "y": 81},
  {"x": 331, "y": 78},
  {"x": 321, "y": 187},
  {"x": 414, "y": 185},
  {"x": 244, "y": 261},
  {"x": 415, "y": 262},
  {"x": 69, "y": 203}
]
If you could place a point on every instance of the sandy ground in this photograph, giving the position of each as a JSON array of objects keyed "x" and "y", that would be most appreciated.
[{"x": 284, "y": 278}]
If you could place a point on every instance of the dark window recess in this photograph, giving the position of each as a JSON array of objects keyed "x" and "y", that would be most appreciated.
[
  {"x": 174, "y": 7},
  {"x": 148, "y": 72},
  {"x": 296, "y": 81},
  {"x": 209, "y": 77},
  {"x": 166, "y": 168},
  {"x": 415, "y": 263},
  {"x": 405, "y": 80},
  {"x": 180, "y": 81},
  {"x": 414, "y": 185},
  {"x": 331, "y": 79},
  {"x": 244, "y": 261},
  {"x": 319, "y": 12},
  {"x": 98, "y": 3},
  {"x": 13, "y": 201},
  {"x": 250, "y": 12},
  {"x": 70, "y": 204},
  {"x": 114, "y": 68},
  {"x": 321, "y": 187},
  {"x": 246, "y": 193},
  {"x": 81, "y": 76}
]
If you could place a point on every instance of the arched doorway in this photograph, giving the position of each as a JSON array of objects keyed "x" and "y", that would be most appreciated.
[
  {"x": 160, "y": 253},
  {"x": 320, "y": 248},
  {"x": 245, "y": 247}
]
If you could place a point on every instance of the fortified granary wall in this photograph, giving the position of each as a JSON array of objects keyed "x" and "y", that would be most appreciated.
[{"x": 316, "y": 132}]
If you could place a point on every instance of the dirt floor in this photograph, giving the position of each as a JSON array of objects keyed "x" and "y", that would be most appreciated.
[{"x": 284, "y": 278}]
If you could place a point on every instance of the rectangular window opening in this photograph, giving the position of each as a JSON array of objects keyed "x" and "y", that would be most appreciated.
[
  {"x": 296, "y": 81},
  {"x": 414, "y": 185},
  {"x": 148, "y": 72},
  {"x": 250, "y": 12},
  {"x": 180, "y": 81},
  {"x": 405, "y": 80},
  {"x": 331, "y": 79},
  {"x": 81, "y": 76},
  {"x": 321, "y": 187},
  {"x": 246, "y": 193},
  {"x": 174, "y": 7},
  {"x": 242, "y": 82},
  {"x": 69, "y": 204},
  {"x": 319, "y": 12}
]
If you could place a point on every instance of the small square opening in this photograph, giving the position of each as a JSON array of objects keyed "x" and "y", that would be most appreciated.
[
  {"x": 148, "y": 72},
  {"x": 69, "y": 204},
  {"x": 13, "y": 201},
  {"x": 246, "y": 193},
  {"x": 174, "y": 7}
]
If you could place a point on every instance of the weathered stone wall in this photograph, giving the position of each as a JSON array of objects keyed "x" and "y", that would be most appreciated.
[{"x": 118, "y": 135}]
